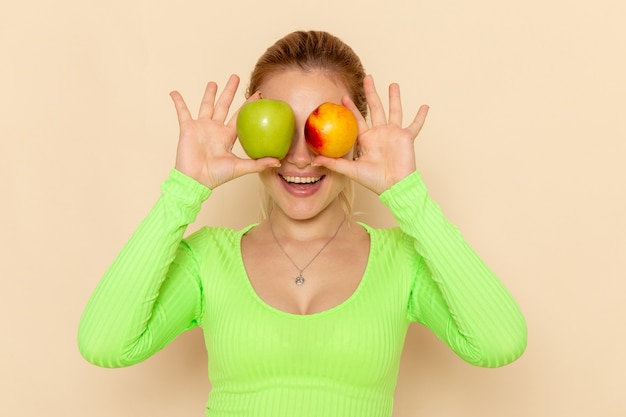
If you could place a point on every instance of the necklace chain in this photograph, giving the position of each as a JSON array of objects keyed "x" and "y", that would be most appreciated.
[{"x": 300, "y": 279}]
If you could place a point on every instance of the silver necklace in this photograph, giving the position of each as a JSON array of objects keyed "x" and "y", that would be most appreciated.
[{"x": 299, "y": 280}]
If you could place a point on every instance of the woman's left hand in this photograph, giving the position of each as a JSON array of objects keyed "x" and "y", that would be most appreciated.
[{"x": 384, "y": 153}]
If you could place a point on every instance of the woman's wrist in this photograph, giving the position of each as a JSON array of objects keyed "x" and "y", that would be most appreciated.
[{"x": 185, "y": 189}]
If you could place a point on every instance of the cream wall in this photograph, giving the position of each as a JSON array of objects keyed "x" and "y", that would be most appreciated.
[{"x": 523, "y": 149}]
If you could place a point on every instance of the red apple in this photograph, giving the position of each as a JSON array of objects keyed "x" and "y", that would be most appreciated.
[{"x": 331, "y": 130}]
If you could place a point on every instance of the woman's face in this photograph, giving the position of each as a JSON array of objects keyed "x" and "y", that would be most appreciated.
[{"x": 298, "y": 189}]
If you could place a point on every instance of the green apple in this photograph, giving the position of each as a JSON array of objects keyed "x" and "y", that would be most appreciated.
[{"x": 265, "y": 128}]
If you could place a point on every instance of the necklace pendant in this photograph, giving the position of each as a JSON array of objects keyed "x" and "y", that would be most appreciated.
[{"x": 299, "y": 280}]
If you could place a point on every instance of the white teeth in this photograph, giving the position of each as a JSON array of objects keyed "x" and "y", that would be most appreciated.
[{"x": 301, "y": 180}]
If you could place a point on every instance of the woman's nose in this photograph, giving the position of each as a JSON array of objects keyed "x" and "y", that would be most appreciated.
[{"x": 299, "y": 153}]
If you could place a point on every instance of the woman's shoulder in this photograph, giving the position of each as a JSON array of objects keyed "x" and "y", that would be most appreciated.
[
  {"x": 387, "y": 239},
  {"x": 386, "y": 232},
  {"x": 215, "y": 236}
]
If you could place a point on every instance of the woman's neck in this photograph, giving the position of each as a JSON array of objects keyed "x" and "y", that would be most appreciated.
[{"x": 321, "y": 226}]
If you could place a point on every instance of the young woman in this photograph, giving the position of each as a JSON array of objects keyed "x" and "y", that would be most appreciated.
[{"x": 304, "y": 313}]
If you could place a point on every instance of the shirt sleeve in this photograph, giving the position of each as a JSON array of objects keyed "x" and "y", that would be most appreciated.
[
  {"x": 151, "y": 292},
  {"x": 455, "y": 294}
]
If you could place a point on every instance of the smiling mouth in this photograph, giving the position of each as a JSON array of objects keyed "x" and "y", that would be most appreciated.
[{"x": 301, "y": 180}]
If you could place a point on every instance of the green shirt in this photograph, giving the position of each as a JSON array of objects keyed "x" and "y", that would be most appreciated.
[{"x": 341, "y": 362}]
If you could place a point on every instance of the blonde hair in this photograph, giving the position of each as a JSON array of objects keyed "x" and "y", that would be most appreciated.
[{"x": 313, "y": 51}]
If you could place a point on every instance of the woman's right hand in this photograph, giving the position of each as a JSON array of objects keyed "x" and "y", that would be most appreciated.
[{"x": 205, "y": 144}]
